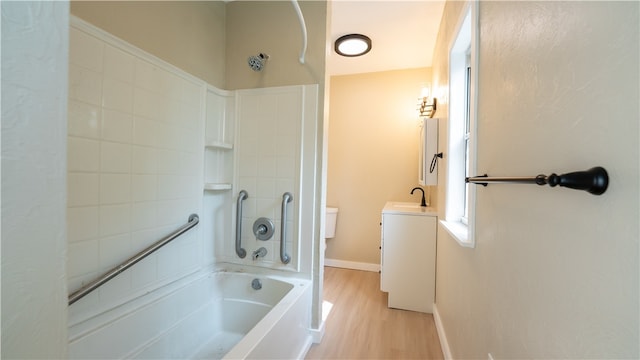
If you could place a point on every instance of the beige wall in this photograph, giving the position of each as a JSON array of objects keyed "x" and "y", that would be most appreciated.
[
  {"x": 187, "y": 34},
  {"x": 272, "y": 27},
  {"x": 555, "y": 272},
  {"x": 373, "y": 155}
]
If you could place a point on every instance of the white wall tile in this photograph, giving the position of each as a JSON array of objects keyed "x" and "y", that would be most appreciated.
[
  {"x": 248, "y": 184},
  {"x": 285, "y": 185},
  {"x": 115, "y": 219},
  {"x": 175, "y": 211},
  {"x": 83, "y": 256},
  {"x": 267, "y": 166},
  {"x": 147, "y": 104},
  {"x": 82, "y": 223},
  {"x": 85, "y": 50},
  {"x": 83, "y": 155},
  {"x": 143, "y": 238},
  {"x": 85, "y": 85},
  {"x": 114, "y": 290},
  {"x": 115, "y": 188},
  {"x": 248, "y": 165},
  {"x": 117, "y": 126},
  {"x": 191, "y": 93},
  {"x": 266, "y": 188},
  {"x": 118, "y": 64},
  {"x": 134, "y": 129},
  {"x": 145, "y": 160},
  {"x": 83, "y": 189},
  {"x": 172, "y": 186},
  {"x": 146, "y": 272},
  {"x": 115, "y": 157},
  {"x": 144, "y": 215},
  {"x": 286, "y": 167},
  {"x": 145, "y": 132},
  {"x": 114, "y": 250},
  {"x": 144, "y": 187},
  {"x": 84, "y": 119},
  {"x": 117, "y": 95},
  {"x": 146, "y": 75},
  {"x": 266, "y": 207}
]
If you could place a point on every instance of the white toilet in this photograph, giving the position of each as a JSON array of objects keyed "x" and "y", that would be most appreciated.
[
  {"x": 329, "y": 227},
  {"x": 330, "y": 223}
]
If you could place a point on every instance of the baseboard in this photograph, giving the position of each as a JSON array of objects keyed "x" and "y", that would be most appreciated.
[
  {"x": 444, "y": 344},
  {"x": 352, "y": 265}
]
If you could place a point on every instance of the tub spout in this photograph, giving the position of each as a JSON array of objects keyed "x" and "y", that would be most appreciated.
[
  {"x": 262, "y": 252},
  {"x": 423, "y": 203}
]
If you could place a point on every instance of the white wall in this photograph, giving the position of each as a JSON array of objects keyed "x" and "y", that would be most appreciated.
[
  {"x": 135, "y": 168},
  {"x": 555, "y": 272},
  {"x": 34, "y": 121}
]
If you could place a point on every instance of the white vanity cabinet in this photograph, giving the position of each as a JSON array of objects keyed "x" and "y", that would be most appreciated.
[{"x": 408, "y": 258}]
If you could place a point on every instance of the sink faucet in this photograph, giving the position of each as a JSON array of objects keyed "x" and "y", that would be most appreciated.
[
  {"x": 423, "y": 203},
  {"x": 262, "y": 252}
]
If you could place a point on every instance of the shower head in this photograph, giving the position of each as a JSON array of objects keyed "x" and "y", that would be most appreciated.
[{"x": 256, "y": 62}]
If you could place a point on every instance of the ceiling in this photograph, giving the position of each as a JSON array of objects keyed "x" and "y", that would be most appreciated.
[{"x": 403, "y": 34}]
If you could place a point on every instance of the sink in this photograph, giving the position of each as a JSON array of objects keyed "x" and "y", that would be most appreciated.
[{"x": 408, "y": 208}]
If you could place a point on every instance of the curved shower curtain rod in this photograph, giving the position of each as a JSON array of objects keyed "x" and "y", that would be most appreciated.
[{"x": 304, "y": 30}]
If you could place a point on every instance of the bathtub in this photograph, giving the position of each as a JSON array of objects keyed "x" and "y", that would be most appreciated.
[{"x": 218, "y": 315}]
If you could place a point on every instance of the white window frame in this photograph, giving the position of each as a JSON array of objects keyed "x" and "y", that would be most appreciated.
[{"x": 460, "y": 197}]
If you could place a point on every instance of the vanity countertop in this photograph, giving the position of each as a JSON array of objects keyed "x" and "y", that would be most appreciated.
[{"x": 407, "y": 208}]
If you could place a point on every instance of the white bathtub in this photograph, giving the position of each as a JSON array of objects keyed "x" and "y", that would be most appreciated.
[{"x": 216, "y": 316}]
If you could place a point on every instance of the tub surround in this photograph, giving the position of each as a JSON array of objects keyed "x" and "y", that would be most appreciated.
[{"x": 149, "y": 142}]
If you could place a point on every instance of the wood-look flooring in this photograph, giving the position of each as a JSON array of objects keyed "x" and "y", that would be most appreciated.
[{"x": 361, "y": 326}]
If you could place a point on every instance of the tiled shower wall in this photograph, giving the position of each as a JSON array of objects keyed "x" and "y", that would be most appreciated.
[
  {"x": 135, "y": 168},
  {"x": 269, "y": 147}
]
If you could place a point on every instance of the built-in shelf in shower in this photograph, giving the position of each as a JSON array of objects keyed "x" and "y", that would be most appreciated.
[
  {"x": 217, "y": 186},
  {"x": 214, "y": 144}
]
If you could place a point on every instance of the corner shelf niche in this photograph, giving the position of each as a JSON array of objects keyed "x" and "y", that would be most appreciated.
[
  {"x": 218, "y": 166},
  {"x": 218, "y": 144}
]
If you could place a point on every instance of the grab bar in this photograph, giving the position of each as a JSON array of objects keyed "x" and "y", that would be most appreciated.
[
  {"x": 286, "y": 198},
  {"x": 242, "y": 195},
  {"x": 83, "y": 291}
]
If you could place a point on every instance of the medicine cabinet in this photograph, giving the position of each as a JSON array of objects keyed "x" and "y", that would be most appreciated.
[{"x": 427, "y": 157}]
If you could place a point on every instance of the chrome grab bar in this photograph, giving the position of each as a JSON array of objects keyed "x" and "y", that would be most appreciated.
[
  {"x": 242, "y": 195},
  {"x": 286, "y": 198},
  {"x": 86, "y": 289}
]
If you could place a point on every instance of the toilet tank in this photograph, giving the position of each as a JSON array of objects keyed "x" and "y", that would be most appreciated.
[{"x": 330, "y": 222}]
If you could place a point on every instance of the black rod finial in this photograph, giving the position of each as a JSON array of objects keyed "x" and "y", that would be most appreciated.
[{"x": 595, "y": 180}]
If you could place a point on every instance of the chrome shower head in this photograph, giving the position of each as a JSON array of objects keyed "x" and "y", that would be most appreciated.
[{"x": 256, "y": 62}]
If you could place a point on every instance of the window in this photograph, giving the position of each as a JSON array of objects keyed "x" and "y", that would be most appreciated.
[{"x": 459, "y": 220}]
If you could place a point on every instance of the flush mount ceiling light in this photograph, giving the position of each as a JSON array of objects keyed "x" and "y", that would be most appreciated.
[{"x": 352, "y": 45}]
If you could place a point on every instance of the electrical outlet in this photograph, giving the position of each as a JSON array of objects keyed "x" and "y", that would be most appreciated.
[{"x": 489, "y": 356}]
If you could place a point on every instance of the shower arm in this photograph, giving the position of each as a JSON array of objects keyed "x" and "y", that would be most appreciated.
[{"x": 303, "y": 26}]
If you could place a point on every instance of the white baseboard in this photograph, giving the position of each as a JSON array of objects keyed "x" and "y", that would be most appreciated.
[
  {"x": 352, "y": 265},
  {"x": 444, "y": 344}
]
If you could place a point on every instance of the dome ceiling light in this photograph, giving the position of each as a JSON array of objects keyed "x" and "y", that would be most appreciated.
[{"x": 352, "y": 45}]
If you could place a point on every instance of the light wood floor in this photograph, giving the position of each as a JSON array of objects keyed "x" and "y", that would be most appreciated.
[{"x": 360, "y": 326}]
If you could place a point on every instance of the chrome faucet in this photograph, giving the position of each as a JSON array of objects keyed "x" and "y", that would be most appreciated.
[
  {"x": 262, "y": 252},
  {"x": 423, "y": 203}
]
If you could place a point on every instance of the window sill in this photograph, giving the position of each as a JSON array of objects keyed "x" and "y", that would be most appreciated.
[{"x": 460, "y": 232}]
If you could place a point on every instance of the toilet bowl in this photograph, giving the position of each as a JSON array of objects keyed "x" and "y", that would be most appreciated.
[{"x": 330, "y": 222}]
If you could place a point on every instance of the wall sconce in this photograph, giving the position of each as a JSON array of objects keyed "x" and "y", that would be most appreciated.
[{"x": 425, "y": 107}]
